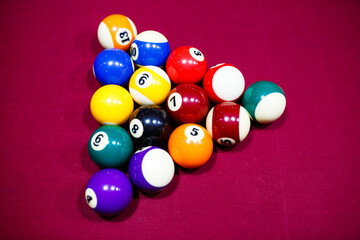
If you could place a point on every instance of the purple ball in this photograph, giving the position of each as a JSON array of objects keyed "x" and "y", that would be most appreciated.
[
  {"x": 151, "y": 169},
  {"x": 108, "y": 192}
]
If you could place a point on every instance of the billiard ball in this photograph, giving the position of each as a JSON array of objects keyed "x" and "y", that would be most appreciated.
[
  {"x": 187, "y": 103},
  {"x": 186, "y": 64},
  {"x": 265, "y": 101},
  {"x": 149, "y": 125},
  {"x": 149, "y": 85},
  {"x": 151, "y": 169},
  {"x": 190, "y": 145},
  {"x": 111, "y": 105},
  {"x": 113, "y": 66},
  {"x": 110, "y": 146},
  {"x": 116, "y": 31},
  {"x": 228, "y": 123},
  {"x": 150, "y": 48},
  {"x": 224, "y": 83},
  {"x": 108, "y": 192}
]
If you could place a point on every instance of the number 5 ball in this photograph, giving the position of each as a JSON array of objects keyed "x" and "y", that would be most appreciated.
[
  {"x": 110, "y": 146},
  {"x": 265, "y": 101},
  {"x": 186, "y": 64},
  {"x": 190, "y": 145},
  {"x": 116, "y": 31},
  {"x": 111, "y": 104}
]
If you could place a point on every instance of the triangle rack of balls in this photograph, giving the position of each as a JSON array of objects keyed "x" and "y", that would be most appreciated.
[{"x": 159, "y": 109}]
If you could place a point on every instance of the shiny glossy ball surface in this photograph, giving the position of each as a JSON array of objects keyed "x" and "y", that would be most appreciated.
[
  {"x": 116, "y": 31},
  {"x": 110, "y": 146},
  {"x": 108, "y": 192},
  {"x": 187, "y": 103},
  {"x": 190, "y": 145},
  {"x": 113, "y": 66},
  {"x": 151, "y": 169},
  {"x": 265, "y": 101},
  {"x": 149, "y": 125},
  {"x": 186, "y": 64},
  {"x": 111, "y": 105},
  {"x": 150, "y": 48},
  {"x": 228, "y": 123}
]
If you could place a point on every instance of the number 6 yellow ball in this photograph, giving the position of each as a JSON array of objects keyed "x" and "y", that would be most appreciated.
[{"x": 111, "y": 104}]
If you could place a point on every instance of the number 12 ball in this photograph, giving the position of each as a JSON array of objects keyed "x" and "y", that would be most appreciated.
[
  {"x": 110, "y": 146},
  {"x": 265, "y": 101},
  {"x": 116, "y": 31}
]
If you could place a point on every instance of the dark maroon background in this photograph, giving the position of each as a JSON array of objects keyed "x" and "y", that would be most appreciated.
[{"x": 298, "y": 178}]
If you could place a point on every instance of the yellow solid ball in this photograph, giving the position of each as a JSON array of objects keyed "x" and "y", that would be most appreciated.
[{"x": 111, "y": 104}]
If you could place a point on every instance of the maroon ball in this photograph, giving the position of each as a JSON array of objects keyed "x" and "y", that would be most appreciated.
[{"x": 187, "y": 103}]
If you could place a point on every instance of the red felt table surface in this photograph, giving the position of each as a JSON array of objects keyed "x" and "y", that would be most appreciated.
[{"x": 297, "y": 178}]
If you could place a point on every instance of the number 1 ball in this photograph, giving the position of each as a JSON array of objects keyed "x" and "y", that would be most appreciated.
[
  {"x": 190, "y": 145},
  {"x": 111, "y": 105},
  {"x": 151, "y": 169},
  {"x": 224, "y": 83},
  {"x": 187, "y": 103},
  {"x": 108, "y": 192},
  {"x": 228, "y": 123},
  {"x": 265, "y": 101},
  {"x": 116, "y": 31},
  {"x": 110, "y": 146},
  {"x": 186, "y": 64}
]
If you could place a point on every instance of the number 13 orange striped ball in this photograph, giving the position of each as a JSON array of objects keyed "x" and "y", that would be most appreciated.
[{"x": 116, "y": 31}]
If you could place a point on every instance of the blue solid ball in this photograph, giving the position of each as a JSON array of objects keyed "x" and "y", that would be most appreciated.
[
  {"x": 150, "y": 48},
  {"x": 113, "y": 66}
]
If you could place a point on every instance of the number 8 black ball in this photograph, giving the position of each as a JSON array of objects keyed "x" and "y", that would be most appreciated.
[{"x": 149, "y": 126}]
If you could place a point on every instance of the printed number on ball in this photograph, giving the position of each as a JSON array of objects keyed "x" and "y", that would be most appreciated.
[
  {"x": 123, "y": 36},
  {"x": 195, "y": 53},
  {"x": 226, "y": 141},
  {"x": 136, "y": 128},
  {"x": 90, "y": 197},
  {"x": 99, "y": 141},
  {"x": 174, "y": 101},
  {"x": 194, "y": 133},
  {"x": 143, "y": 80}
]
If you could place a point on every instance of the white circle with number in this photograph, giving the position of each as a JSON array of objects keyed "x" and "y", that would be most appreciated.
[
  {"x": 195, "y": 53},
  {"x": 99, "y": 141},
  {"x": 194, "y": 133},
  {"x": 174, "y": 101},
  {"x": 134, "y": 51},
  {"x": 123, "y": 36},
  {"x": 226, "y": 141},
  {"x": 136, "y": 128},
  {"x": 91, "y": 198},
  {"x": 143, "y": 79}
]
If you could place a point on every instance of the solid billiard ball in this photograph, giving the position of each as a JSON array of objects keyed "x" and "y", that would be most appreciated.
[
  {"x": 116, "y": 31},
  {"x": 108, "y": 192},
  {"x": 187, "y": 103},
  {"x": 151, "y": 169},
  {"x": 186, "y": 64},
  {"x": 190, "y": 145},
  {"x": 110, "y": 146},
  {"x": 150, "y": 48},
  {"x": 113, "y": 66},
  {"x": 265, "y": 101},
  {"x": 149, "y": 85},
  {"x": 149, "y": 125},
  {"x": 224, "y": 83},
  {"x": 111, "y": 105},
  {"x": 228, "y": 123}
]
